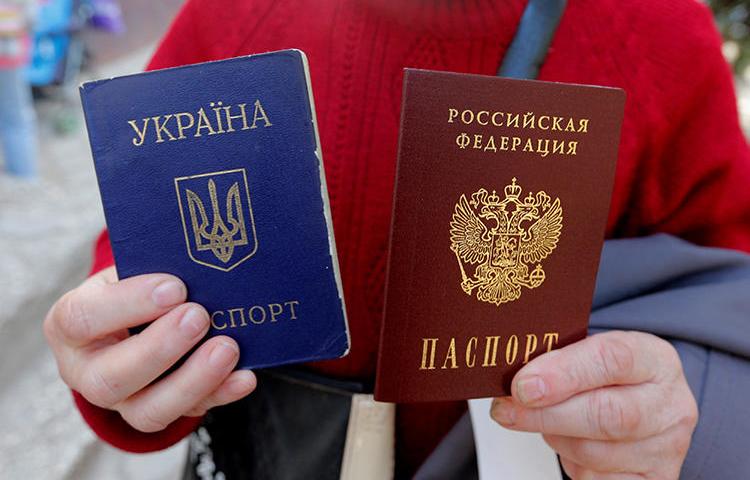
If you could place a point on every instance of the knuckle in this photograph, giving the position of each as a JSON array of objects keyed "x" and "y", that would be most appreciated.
[
  {"x": 543, "y": 420},
  {"x": 688, "y": 418},
  {"x": 48, "y": 326},
  {"x": 681, "y": 445},
  {"x": 584, "y": 452},
  {"x": 196, "y": 412},
  {"x": 551, "y": 441},
  {"x": 199, "y": 390},
  {"x": 494, "y": 410},
  {"x": 666, "y": 352},
  {"x": 97, "y": 389},
  {"x": 67, "y": 379},
  {"x": 612, "y": 417},
  {"x": 201, "y": 408},
  {"x": 105, "y": 276},
  {"x": 71, "y": 317},
  {"x": 571, "y": 469},
  {"x": 64, "y": 370},
  {"x": 586, "y": 474},
  {"x": 145, "y": 418},
  {"x": 616, "y": 356},
  {"x": 155, "y": 353}
]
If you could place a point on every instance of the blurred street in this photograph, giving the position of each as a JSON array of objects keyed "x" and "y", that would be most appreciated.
[{"x": 46, "y": 232}]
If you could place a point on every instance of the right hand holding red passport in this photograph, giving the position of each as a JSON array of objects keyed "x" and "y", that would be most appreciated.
[
  {"x": 88, "y": 331},
  {"x": 615, "y": 405}
]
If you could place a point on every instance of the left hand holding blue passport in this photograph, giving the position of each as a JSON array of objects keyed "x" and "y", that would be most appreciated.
[{"x": 213, "y": 173}]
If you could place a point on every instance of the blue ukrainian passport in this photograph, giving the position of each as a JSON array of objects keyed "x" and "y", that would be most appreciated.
[{"x": 213, "y": 173}]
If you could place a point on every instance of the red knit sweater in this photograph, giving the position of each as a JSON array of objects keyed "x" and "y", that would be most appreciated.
[{"x": 683, "y": 164}]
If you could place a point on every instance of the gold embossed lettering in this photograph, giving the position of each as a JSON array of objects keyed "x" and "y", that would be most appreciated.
[
  {"x": 217, "y": 115},
  {"x": 230, "y": 117},
  {"x": 450, "y": 355},
  {"x": 252, "y": 314},
  {"x": 162, "y": 128},
  {"x": 516, "y": 142},
  {"x": 471, "y": 352},
  {"x": 490, "y": 144},
  {"x": 429, "y": 345},
  {"x": 275, "y": 309},
  {"x": 531, "y": 344},
  {"x": 550, "y": 339},
  {"x": 477, "y": 141},
  {"x": 260, "y": 114},
  {"x": 491, "y": 344},
  {"x": 241, "y": 314},
  {"x": 214, "y": 321},
  {"x": 528, "y": 120},
  {"x": 182, "y": 127},
  {"x": 292, "y": 304},
  {"x": 467, "y": 117},
  {"x": 511, "y": 350},
  {"x": 512, "y": 120},
  {"x": 141, "y": 133},
  {"x": 495, "y": 121},
  {"x": 572, "y": 147},
  {"x": 203, "y": 123},
  {"x": 479, "y": 117}
]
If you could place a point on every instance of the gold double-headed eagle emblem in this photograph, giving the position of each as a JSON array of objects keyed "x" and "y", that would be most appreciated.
[
  {"x": 507, "y": 250},
  {"x": 217, "y": 218}
]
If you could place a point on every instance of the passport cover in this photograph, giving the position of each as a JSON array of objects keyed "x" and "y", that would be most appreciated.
[
  {"x": 213, "y": 172},
  {"x": 502, "y": 195}
]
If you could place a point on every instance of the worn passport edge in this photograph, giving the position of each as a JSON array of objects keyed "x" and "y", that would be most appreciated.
[
  {"x": 326, "y": 203},
  {"x": 84, "y": 86},
  {"x": 377, "y": 391}
]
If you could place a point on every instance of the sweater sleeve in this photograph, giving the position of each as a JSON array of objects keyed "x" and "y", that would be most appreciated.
[
  {"x": 181, "y": 45},
  {"x": 696, "y": 184}
]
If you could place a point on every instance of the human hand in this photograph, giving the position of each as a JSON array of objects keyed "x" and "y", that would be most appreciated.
[
  {"x": 614, "y": 406},
  {"x": 87, "y": 330}
]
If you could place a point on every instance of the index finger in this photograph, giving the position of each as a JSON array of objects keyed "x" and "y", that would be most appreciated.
[
  {"x": 99, "y": 307},
  {"x": 612, "y": 358}
]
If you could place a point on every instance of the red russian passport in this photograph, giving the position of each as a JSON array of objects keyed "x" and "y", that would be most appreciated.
[{"x": 502, "y": 194}]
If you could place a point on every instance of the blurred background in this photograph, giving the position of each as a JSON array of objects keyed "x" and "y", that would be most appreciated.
[{"x": 50, "y": 211}]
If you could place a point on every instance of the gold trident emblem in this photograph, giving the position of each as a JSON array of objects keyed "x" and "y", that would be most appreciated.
[
  {"x": 217, "y": 239},
  {"x": 220, "y": 239}
]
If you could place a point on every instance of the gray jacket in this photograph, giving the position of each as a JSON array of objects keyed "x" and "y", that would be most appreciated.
[{"x": 698, "y": 298}]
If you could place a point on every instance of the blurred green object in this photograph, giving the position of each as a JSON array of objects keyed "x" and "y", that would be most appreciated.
[
  {"x": 733, "y": 19},
  {"x": 66, "y": 122}
]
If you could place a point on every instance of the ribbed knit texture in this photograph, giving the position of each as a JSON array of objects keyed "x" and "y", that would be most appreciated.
[{"x": 683, "y": 166}]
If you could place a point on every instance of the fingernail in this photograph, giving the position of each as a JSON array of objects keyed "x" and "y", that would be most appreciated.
[
  {"x": 531, "y": 389},
  {"x": 168, "y": 293},
  {"x": 504, "y": 412},
  {"x": 193, "y": 322},
  {"x": 222, "y": 355}
]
